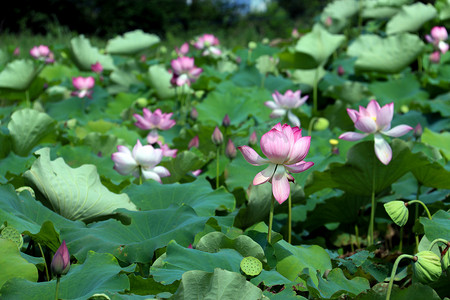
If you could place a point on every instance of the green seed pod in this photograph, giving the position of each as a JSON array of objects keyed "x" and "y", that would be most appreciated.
[
  {"x": 321, "y": 124},
  {"x": 10, "y": 233},
  {"x": 251, "y": 266},
  {"x": 252, "y": 45},
  {"x": 398, "y": 212},
  {"x": 142, "y": 102},
  {"x": 427, "y": 268},
  {"x": 445, "y": 261}
]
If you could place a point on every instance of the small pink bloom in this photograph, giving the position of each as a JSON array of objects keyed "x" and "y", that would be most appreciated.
[
  {"x": 16, "y": 51},
  {"x": 283, "y": 104},
  {"x": 61, "y": 261},
  {"x": 438, "y": 36},
  {"x": 194, "y": 142},
  {"x": 97, "y": 68},
  {"x": 194, "y": 114},
  {"x": 226, "y": 121},
  {"x": 328, "y": 21},
  {"x": 340, "y": 71},
  {"x": 377, "y": 120},
  {"x": 230, "y": 150},
  {"x": 43, "y": 53},
  {"x": 143, "y": 160},
  {"x": 253, "y": 139},
  {"x": 184, "y": 49},
  {"x": 208, "y": 43},
  {"x": 154, "y": 121},
  {"x": 295, "y": 34},
  {"x": 217, "y": 137},
  {"x": 285, "y": 149},
  {"x": 435, "y": 57},
  {"x": 83, "y": 86},
  {"x": 166, "y": 151},
  {"x": 197, "y": 172},
  {"x": 418, "y": 130},
  {"x": 184, "y": 71}
]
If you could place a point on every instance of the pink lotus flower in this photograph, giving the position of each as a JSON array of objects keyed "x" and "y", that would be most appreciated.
[
  {"x": 230, "y": 150},
  {"x": 208, "y": 42},
  {"x": 435, "y": 57},
  {"x": 83, "y": 86},
  {"x": 97, "y": 68},
  {"x": 184, "y": 49},
  {"x": 61, "y": 261},
  {"x": 377, "y": 120},
  {"x": 184, "y": 71},
  {"x": 283, "y": 104},
  {"x": 142, "y": 161},
  {"x": 166, "y": 151},
  {"x": 438, "y": 36},
  {"x": 16, "y": 51},
  {"x": 217, "y": 137},
  {"x": 194, "y": 142},
  {"x": 154, "y": 121},
  {"x": 285, "y": 149},
  {"x": 42, "y": 52}
]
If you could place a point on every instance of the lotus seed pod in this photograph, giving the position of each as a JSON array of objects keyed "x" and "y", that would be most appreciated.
[
  {"x": 251, "y": 266},
  {"x": 427, "y": 268},
  {"x": 252, "y": 45},
  {"x": 321, "y": 124},
  {"x": 445, "y": 261},
  {"x": 10, "y": 233},
  {"x": 141, "y": 102},
  {"x": 398, "y": 212}
]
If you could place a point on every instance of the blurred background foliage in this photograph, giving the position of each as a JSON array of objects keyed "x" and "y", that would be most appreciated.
[{"x": 175, "y": 21}]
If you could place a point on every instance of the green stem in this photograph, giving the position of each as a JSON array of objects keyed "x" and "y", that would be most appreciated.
[
  {"x": 45, "y": 263},
  {"x": 217, "y": 167},
  {"x": 437, "y": 241},
  {"x": 424, "y": 206},
  {"x": 316, "y": 79},
  {"x": 358, "y": 244},
  {"x": 311, "y": 123},
  {"x": 269, "y": 232},
  {"x": 27, "y": 99},
  {"x": 263, "y": 79},
  {"x": 289, "y": 218},
  {"x": 57, "y": 287},
  {"x": 400, "y": 246},
  {"x": 370, "y": 240},
  {"x": 419, "y": 64},
  {"x": 416, "y": 215},
  {"x": 394, "y": 271}
]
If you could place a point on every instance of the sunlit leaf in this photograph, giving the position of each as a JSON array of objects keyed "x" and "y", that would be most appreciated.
[{"x": 131, "y": 42}]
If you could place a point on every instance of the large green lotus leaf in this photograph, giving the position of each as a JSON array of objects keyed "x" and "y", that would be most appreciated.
[
  {"x": 438, "y": 140},
  {"x": 221, "y": 284},
  {"x": 27, "y": 127},
  {"x": 340, "y": 11},
  {"x": 13, "y": 265},
  {"x": 148, "y": 286},
  {"x": 124, "y": 78},
  {"x": 296, "y": 60},
  {"x": 198, "y": 194},
  {"x": 214, "y": 241},
  {"x": 159, "y": 79},
  {"x": 433, "y": 175},
  {"x": 58, "y": 72},
  {"x": 349, "y": 91},
  {"x": 355, "y": 176},
  {"x": 319, "y": 43},
  {"x": 179, "y": 260},
  {"x": 24, "y": 213},
  {"x": 136, "y": 242},
  {"x": 184, "y": 162},
  {"x": 237, "y": 102},
  {"x": 414, "y": 291},
  {"x": 99, "y": 273},
  {"x": 240, "y": 174},
  {"x": 85, "y": 55},
  {"x": 441, "y": 104},
  {"x": 385, "y": 55},
  {"x": 438, "y": 226},
  {"x": 284, "y": 294},
  {"x": 308, "y": 76},
  {"x": 258, "y": 205},
  {"x": 14, "y": 165},
  {"x": 335, "y": 285},
  {"x": 292, "y": 260},
  {"x": 410, "y": 18},
  {"x": 371, "y": 11},
  {"x": 131, "y": 42},
  {"x": 443, "y": 7},
  {"x": 18, "y": 75},
  {"x": 76, "y": 194}
]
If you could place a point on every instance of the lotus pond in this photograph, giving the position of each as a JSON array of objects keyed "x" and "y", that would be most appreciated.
[{"x": 314, "y": 166}]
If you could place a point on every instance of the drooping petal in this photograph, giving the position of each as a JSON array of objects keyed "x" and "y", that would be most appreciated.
[
  {"x": 382, "y": 149},
  {"x": 265, "y": 175},
  {"x": 124, "y": 163},
  {"x": 366, "y": 124},
  {"x": 299, "y": 167},
  {"x": 385, "y": 115},
  {"x": 278, "y": 112},
  {"x": 398, "y": 130},
  {"x": 161, "y": 171},
  {"x": 150, "y": 174},
  {"x": 280, "y": 185},
  {"x": 295, "y": 121},
  {"x": 352, "y": 136},
  {"x": 276, "y": 146},
  {"x": 252, "y": 156}
]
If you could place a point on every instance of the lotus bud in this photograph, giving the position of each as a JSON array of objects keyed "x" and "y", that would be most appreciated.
[
  {"x": 253, "y": 139},
  {"x": 194, "y": 114},
  {"x": 398, "y": 212},
  {"x": 418, "y": 130},
  {"x": 427, "y": 266},
  {"x": 295, "y": 34},
  {"x": 321, "y": 124},
  {"x": 61, "y": 261},
  {"x": 340, "y": 71},
  {"x": 16, "y": 51},
  {"x": 445, "y": 260},
  {"x": 230, "y": 150},
  {"x": 252, "y": 45},
  {"x": 334, "y": 146},
  {"x": 328, "y": 21},
  {"x": 226, "y": 121},
  {"x": 217, "y": 137},
  {"x": 194, "y": 142},
  {"x": 435, "y": 57},
  {"x": 404, "y": 109}
]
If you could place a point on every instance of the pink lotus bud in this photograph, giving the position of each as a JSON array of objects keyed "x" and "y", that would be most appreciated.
[
  {"x": 97, "y": 68},
  {"x": 329, "y": 21},
  {"x": 418, "y": 130},
  {"x": 61, "y": 261},
  {"x": 194, "y": 142},
  {"x": 340, "y": 71},
  {"x": 143, "y": 58},
  {"x": 16, "y": 51},
  {"x": 295, "y": 33},
  {"x": 197, "y": 172},
  {"x": 253, "y": 139},
  {"x": 217, "y": 137},
  {"x": 435, "y": 57},
  {"x": 226, "y": 121},
  {"x": 230, "y": 150},
  {"x": 194, "y": 114}
]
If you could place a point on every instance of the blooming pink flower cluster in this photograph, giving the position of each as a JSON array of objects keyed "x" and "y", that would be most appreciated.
[
  {"x": 208, "y": 43},
  {"x": 283, "y": 104},
  {"x": 437, "y": 37},
  {"x": 285, "y": 149},
  {"x": 184, "y": 71},
  {"x": 83, "y": 86},
  {"x": 154, "y": 121},
  {"x": 375, "y": 120},
  {"x": 43, "y": 53}
]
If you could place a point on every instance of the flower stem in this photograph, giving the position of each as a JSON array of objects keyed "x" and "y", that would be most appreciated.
[
  {"x": 217, "y": 167},
  {"x": 400, "y": 246},
  {"x": 269, "y": 232},
  {"x": 370, "y": 240},
  {"x": 27, "y": 98},
  {"x": 358, "y": 244},
  {"x": 316, "y": 79},
  {"x": 311, "y": 123},
  {"x": 394, "y": 271},
  {"x": 57, "y": 287},
  {"x": 289, "y": 218},
  {"x": 438, "y": 240},
  {"x": 45, "y": 263},
  {"x": 416, "y": 215},
  {"x": 424, "y": 206}
]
